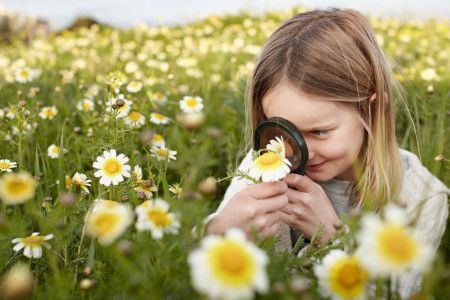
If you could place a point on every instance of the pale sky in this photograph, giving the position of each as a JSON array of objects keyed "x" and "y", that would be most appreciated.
[{"x": 124, "y": 13}]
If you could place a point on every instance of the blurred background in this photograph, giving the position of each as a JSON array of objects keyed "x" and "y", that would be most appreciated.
[{"x": 58, "y": 14}]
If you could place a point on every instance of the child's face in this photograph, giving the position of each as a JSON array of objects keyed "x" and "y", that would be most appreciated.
[{"x": 332, "y": 131}]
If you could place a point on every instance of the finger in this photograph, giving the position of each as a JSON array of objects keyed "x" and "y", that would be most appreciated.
[
  {"x": 267, "y": 205},
  {"x": 288, "y": 218},
  {"x": 267, "y": 189},
  {"x": 266, "y": 220},
  {"x": 301, "y": 183},
  {"x": 295, "y": 196},
  {"x": 274, "y": 229}
]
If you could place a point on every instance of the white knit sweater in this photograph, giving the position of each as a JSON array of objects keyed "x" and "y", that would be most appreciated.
[{"x": 418, "y": 185}]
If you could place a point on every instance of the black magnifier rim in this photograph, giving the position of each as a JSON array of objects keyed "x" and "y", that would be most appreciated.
[{"x": 278, "y": 122}]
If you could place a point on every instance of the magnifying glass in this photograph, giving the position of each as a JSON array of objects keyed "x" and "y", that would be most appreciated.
[
  {"x": 296, "y": 151},
  {"x": 295, "y": 145}
]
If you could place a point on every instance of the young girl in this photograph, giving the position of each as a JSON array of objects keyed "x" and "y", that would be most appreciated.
[{"x": 323, "y": 71}]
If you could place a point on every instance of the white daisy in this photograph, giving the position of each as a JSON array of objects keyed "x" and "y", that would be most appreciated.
[
  {"x": 25, "y": 74},
  {"x": 163, "y": 153},
  {"x": 159, "y": 98},
  {"x": 271, "y": 166},
  {"x": 112, "y": 167},
  {"x": 17, "y": 188},
  {"x": 85, "y": 105},
  {"x": 122, "y": 106},
  {"x": 134, "y": 86},
  {"x": 190, "y": 104},
  {"x": 277, "y": 146},
  {"x": 341, "y": 276},
  {"x": 228, "y": 267},
  {"x": 107, "y": 220},
  {"x": 154, "y": 216},
  {"x": 80, "y": 180},
  {"x": 32, "y": 245},
  {"x": 48, "y": 112},
  {"x": 176, "y": 189},
  {"x": 389, "y": 246},
  {"x": 53, "y": 151},
  {"x": 159, "y": 119},
  {"x": 158, "y": 141},
  {"x": 134, "y": 119},
  {"x": 6, "y": 165},
  {"x": 137, "y": 173}
]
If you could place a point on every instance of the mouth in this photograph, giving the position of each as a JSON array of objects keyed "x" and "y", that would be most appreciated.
[{"x": 315, "y": 167}]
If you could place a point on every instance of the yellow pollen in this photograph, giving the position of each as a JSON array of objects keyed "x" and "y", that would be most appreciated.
[
  {"x": 112, "y": 167},
  {"x": 159, "y": 116},
  {"x": 5, "y": 165},
  {"x": 159, "y": 217},
  {"x": 134, "y": 116},
  {"x": 86, "y": 105},
  {"x": 162, "y": 152},
  {"x": 33, "y": 240},
  {"x": 17, "y": 186},
  {"x": 232, "y": 263},
  {"x": 191, "y": 102},
  {"x": 268, "y": 159},
  {"x": 158, "y": 95},
  {"x": 24, "y": 73},
  {"x": 105, "y": 223},
  {"x": 157, "y": 138},
  {"x": 396, "y": 244}
]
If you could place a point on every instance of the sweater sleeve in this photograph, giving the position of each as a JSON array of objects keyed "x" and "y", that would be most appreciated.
[
  {"x": 426, "y": 198},
  {"x": 236, "y": 185}
]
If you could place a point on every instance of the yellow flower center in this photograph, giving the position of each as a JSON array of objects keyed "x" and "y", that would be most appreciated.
[
  {"x": 86, "y": 105},
  {"x": 134, "y": 116},
  {"x": 159, "y": 116},
  {"x": 49, "y": 113},
  {"x": 17, "y": 186},
  {"x": 157, "y": 138},
  {"x": 396, "y": 244},
  {"x": 347, "y": 277},
  {"x": 191, "y": 102},
  {"x": 159, "y": 217},
  {"x": 5, "y": 165},
  {"x": 24, "y": 73},
  {"x": 55, "y": 150},
  {"x": 105, "y": 223},
  {"x": 162, "y": 152},
  {"x": 232, "y": 263},
  {"x": 33, "y": 240},
  {"x": 112, "y": 167},
  {"x": 158, "y": 95},
  {"x": 268, "y": 160}
]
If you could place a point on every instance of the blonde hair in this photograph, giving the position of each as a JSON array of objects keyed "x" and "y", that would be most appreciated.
[{"x": 333, "y": 55}]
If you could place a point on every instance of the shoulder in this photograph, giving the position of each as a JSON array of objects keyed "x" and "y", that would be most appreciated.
[
  {"x": 418, "y": 182},
  {"x": 421, "y": 192}
]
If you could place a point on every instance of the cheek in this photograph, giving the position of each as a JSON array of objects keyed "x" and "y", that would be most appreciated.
[{"x": 344, "y": 145}]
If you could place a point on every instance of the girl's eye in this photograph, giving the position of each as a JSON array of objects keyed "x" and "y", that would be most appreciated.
[{"x": 320, "y": 132}]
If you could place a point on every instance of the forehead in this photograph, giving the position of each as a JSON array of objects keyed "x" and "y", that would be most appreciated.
[{"x": 305, "y": 111}]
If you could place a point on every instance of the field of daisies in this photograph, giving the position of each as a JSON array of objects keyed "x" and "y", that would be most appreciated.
[{"x": 112, "y": 144}]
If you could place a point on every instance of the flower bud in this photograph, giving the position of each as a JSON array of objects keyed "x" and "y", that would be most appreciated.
[
  {"x": 208, "y": 186},
  {"x": 191, "y": 121},
  {"x": 17, "y": 283}
]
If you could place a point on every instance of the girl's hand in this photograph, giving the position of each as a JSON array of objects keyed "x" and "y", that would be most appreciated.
[
  {"x": 308, "y": 207},
  {"x": 256, "y": 207}
]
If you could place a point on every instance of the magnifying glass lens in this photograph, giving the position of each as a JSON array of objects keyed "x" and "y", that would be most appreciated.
[{"x": 292, "y": 150}]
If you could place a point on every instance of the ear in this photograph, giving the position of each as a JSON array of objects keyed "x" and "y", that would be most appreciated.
[{"x": 374, "y": 96}]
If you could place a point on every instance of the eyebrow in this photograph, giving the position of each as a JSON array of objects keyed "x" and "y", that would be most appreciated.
[{"x": 320, "y": 127}]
